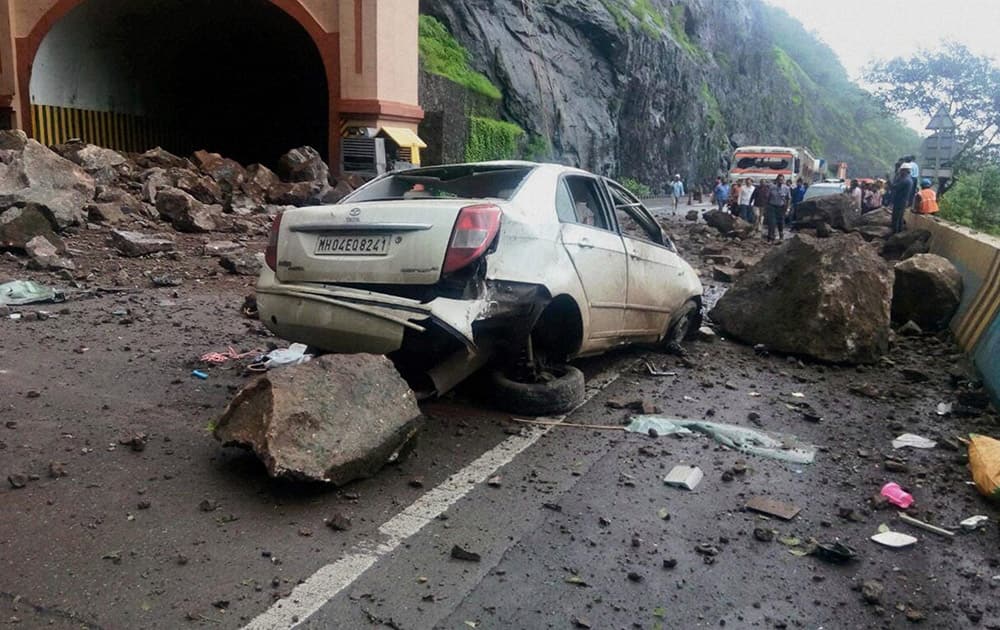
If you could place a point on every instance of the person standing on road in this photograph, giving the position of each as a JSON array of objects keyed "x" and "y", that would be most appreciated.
[
  {"x": 743, "y": 203},
  {"x": 926, "y": 200},
  {"x": 677, "y": 190},
  {"x": 902, "y": 190},
  {"x": 734, "y": 197},
  {"x": 856, "y": 195},
  {"x": 720, "y": 193},
  {"x": 798, "y": 196},
  {"x": 759, "y": 202},
  {"x": 778, "y": 198}
]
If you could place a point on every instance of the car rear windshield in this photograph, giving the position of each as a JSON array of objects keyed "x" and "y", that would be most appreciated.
[{"x": 454, "y": 182}]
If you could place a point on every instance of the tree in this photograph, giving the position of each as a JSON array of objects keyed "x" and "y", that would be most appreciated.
[{"x": 966, "y": 85}]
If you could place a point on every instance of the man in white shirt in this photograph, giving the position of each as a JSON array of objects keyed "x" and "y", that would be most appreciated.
[{"x": 746, "y": 193}]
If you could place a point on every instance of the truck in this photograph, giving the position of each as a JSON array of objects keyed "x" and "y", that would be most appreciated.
[{"x": 767, "y": 162}]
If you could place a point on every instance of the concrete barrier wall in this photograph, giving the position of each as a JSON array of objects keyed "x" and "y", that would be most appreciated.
[{"x": 977, "y": 323}]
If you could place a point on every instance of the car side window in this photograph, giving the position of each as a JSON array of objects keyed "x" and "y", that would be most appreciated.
[
  {"x": 633, "y": 221},
  {"x": 564, "y": 204},
  {"x": 584, "y": 199}
]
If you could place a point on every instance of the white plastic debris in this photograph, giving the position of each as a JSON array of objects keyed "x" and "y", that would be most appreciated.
[
  {"x": 913, "y": 440},
  {"x": 778, "y": 446},
  {"x": 894, "y": 539},
  {"x": 943, "y": 409},
  {"x": 973, "y": 523},
  {"x": 294, "y": 354},
  {"x": 687, "y": 477},
  {"x": 20, "y": 292}
]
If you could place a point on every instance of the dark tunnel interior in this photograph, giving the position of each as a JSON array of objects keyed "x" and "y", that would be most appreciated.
[{"x": 240, "y": 77}]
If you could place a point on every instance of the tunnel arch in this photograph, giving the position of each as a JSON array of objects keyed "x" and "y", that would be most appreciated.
[{"x": 281, "y": 89}]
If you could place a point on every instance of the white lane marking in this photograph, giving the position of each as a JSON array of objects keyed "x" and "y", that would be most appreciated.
[{"x": 323, "y": 585}]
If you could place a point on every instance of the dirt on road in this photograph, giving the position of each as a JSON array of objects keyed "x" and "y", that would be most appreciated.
[{"x": 119, "y": 510}]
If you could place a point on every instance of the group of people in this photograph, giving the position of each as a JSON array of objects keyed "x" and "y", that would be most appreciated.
[{"x": 775, "y": 202}]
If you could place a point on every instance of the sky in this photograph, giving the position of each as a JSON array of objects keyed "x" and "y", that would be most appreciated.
[{"x": 862, "y": 31}]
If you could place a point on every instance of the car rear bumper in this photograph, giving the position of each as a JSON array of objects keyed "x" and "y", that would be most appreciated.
[{"x": 341, "y": 319}]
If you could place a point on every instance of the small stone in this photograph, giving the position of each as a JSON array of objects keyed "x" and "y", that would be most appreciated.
[
  {"x": 634, "y": 577},
  {"x": 135, "y": 441},
  {"x": 17, "y": 481},
  {"x": 338, "y": 523},
  {"x": 727, "y": 476},
  {"x": 181, "y": 559},
  {"x": 57, "y": 470},
  {"x": 459, "y": 553},
  {"x": 33, "y": 393},
  {"x": 669, "y": 563},
  {"x": 763, "y": 534},
  {"x": 143, "y": 505},
  {"x": 207, "y": 505},
  {"x": 495, "y": 482},
  {"x": 872, "y": 591},
  {"x": 894, "y": 465},
  {"x": 417, "y": 482},
  {"x": 914, "y": 615}
]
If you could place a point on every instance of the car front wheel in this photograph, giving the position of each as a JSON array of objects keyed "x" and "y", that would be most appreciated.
[{"x": 685, "y": 324}]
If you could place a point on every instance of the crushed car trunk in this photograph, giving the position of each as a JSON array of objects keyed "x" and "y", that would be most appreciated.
[{"x": 402, "y": 242}]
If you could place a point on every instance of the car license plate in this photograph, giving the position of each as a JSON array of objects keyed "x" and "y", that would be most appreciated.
[{"x": 353, "y": 245}]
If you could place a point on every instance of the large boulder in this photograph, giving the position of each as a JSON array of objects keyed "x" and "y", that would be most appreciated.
[
  {"x": 298, "y": 194},
  {"x": 825, "y": 298},
  {"x": 229, "y": 174},
  {"x": 303, "y": 164},
  {"x": 927, "y": 291},
  {"x": 37, "y": 175},
  {"x": 335, "y": 419},
  {"x": 100, "y": 163},
  {"x": 837, "y": 211},
  {"x": 903, "y": 245},
  {"x": 186, "y": 213},
  {"x": 45, "y": 255},
  {"x": 200, "y": 186},
  {"x": 161, "y": 158},
  {"x": 135, "y": 244},
  {"x": 874, "y": 232},
  {"x": 728, "y": 224},
  {"x": 880, "y": 216},
  {"x": 20, "y": 225}
]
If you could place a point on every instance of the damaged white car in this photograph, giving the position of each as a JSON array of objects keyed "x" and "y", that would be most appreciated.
[{"x": 445, "y": 269}]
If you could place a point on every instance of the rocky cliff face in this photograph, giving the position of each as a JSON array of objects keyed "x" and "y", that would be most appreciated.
[{"x": 645, "y": 88}]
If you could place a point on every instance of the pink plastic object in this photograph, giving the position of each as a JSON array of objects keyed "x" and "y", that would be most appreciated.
[{"x": 896, "y": 495}]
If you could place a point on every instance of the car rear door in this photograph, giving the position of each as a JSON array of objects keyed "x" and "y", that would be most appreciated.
[
  {"x": 653, "y": 292},
  {"x": 597, "y": 252}
]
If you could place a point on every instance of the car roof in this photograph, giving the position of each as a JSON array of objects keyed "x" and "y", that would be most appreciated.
[{"x": 546, "y": 166}]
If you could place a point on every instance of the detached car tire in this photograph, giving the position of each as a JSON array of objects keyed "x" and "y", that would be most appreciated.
[{"x": 561, "y": 394}]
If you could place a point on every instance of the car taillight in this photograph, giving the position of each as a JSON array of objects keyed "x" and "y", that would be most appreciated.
[
  {"x": 271, "y": 253},
  {"x": 474, "y": 231}
]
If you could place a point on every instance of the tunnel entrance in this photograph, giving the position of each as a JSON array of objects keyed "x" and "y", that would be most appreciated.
[{"x": 240, "y": 77}]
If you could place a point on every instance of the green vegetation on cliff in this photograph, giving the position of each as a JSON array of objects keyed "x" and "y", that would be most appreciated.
[
  {"x": 491, "y": 139},
  {"x": 828, "y": 112},
  {"x": 441, "y": 54},
  {"x": 647, "y": 16}
]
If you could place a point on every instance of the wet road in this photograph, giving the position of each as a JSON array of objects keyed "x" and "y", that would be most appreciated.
[{"x": 578, "y": 531}]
